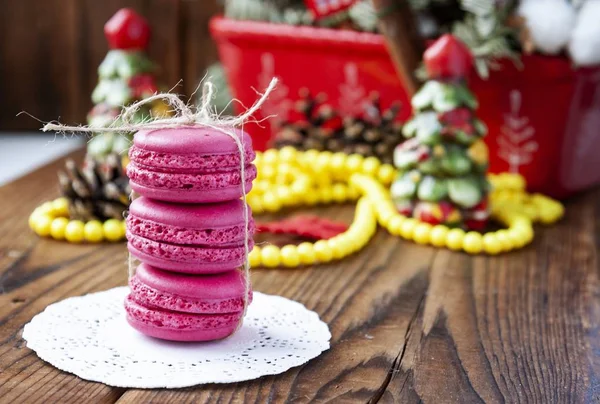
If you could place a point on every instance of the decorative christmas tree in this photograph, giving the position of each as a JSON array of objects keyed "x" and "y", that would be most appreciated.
[
  {"x": 443, "y": 164},
  {"x": 125, "y": 75}
]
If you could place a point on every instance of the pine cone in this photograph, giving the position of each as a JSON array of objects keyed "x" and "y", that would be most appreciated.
[
  {"x": 313, "y": 124},
  {"x": 97, "y": 190}
]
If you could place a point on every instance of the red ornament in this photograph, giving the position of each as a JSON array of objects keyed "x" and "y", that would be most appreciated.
[
  {"x": 456, "y": 116},
  {"x": 322, "y": 8},
  {"x": 448, "y": 58},
  {"x": 142, "y": 86},
  {"x": 477, "y": 216},
  {"x": 127, "y": 30},
  {"x": 437, "y": 213}
]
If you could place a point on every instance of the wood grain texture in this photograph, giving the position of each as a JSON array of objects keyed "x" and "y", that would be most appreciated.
[
  {"x": 50, "y": 51},
  {"x": 409, "y": 323}
]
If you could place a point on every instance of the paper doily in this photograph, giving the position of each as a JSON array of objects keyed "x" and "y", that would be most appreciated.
[{"x": 89, "y": 336}]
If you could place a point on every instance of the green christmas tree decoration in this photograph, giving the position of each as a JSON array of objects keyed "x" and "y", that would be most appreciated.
[
  {"x": 125, "y": 75},
  {"x": 443, "y": 164}
]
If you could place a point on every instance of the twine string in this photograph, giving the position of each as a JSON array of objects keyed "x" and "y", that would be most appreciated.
[{"x": 186, "y": 116}]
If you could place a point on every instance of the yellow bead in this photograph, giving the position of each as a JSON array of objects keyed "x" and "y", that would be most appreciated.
[
  {"x": 386, "y": 174},
  {"x": 113, "y": 231},
  {"x": 354, "y": 163},
  {"x": 93, "y": 231},
  {"x": 74, "y": 231},
  {"x": 517, "y": 237},
  {"x": 491, "y": 244},
  {"x": 353, "y": 193},
  {"x": 270, "y": 256},
  {"x": 310, "y": 157},
  {"x": 438, "y": 235},
  {"x": 267, "y": 172},
  {"x": 300, "y": 187},
  {"x": 422, "y": 233},
  {"x": 288, "y": 154},
  {"x": 395, "y": 225},
  {"x": 307, "y": 253},
  {"x": 42, "y": 224},
  {"x": 254, "y": 257},
  {"x": 505, "y": 242},
  {"x": 407, "y": 228},
  {"x": 33, "y": 219},
  {"x": 384, "y": 216},
  {"x": 255, "y": 203},
  {"x": 57, "y": 228},
  {"x": 285, "y": 195},
  {"x": 289, "y": 256},
  {"x": 311, "y": 197},
  {"x": 473, "y": 242},
  {"x": 258, "y": 159},
  {"x": 370, "y": 166},
  {"x": 338, "y": 162},
  {"x": 338, "y": 192},
  {"x": 60, "y": 207},
  {"x": 454, "y": 239},
  {"x": 325, "y": 195},
  {"x": 323, "y": 161},
  {"x": 270, "y": 156},
  {"x": 323, "y": 251},
  {"x": 337, "y": 247},
  {"x": 271, "y": 202},
  {"x": 46, "y": 208}
]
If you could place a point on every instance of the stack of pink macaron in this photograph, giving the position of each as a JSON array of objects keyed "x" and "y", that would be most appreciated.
[{"x": 190, "y": 232}]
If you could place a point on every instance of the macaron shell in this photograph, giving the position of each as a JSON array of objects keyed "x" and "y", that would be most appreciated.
[
  {"x": 181, "y": 335},
  {"x": 227, "y": 285},
  {"x": 181, "y": 235},
  {"x": 191, "y": 139},
  {"x": 151, "y": 297},
  {"x": 206, "y": 224},
  {"x": 176, "y": 326}
]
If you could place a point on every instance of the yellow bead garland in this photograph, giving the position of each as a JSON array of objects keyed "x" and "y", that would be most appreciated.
[
  {"x": 51, "y": 220},
  {"x": 289, "y": 177}
]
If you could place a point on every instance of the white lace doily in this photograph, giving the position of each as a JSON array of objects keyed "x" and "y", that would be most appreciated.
[{"x": 89, "y": 336}]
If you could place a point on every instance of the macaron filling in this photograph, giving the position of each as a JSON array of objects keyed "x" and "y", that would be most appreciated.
[
  {"x": 189, "y": 253},
  {"x": 188, "y": 181},
  {"x": 162, "y": 318}
]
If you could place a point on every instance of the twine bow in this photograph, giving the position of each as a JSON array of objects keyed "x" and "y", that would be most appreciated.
[{"x": 186, "y": 116}]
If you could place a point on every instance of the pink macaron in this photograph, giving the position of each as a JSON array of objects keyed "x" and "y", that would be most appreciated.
[
  {"x": 189, "y": 238},
  {"x": 190, "y": 164},
  {"x": 182, "y": 307}
]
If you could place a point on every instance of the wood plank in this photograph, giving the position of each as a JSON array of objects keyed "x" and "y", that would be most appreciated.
[
  {"x": 38, "y": 49},
  {"x": 51, "y": 51}
]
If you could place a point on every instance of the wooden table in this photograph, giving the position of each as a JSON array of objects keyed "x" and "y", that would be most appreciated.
[{"x": 409, "y": 323}]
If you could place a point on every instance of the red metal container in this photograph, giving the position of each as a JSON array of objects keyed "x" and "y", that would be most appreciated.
[{"x": 544, "y": 120}]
